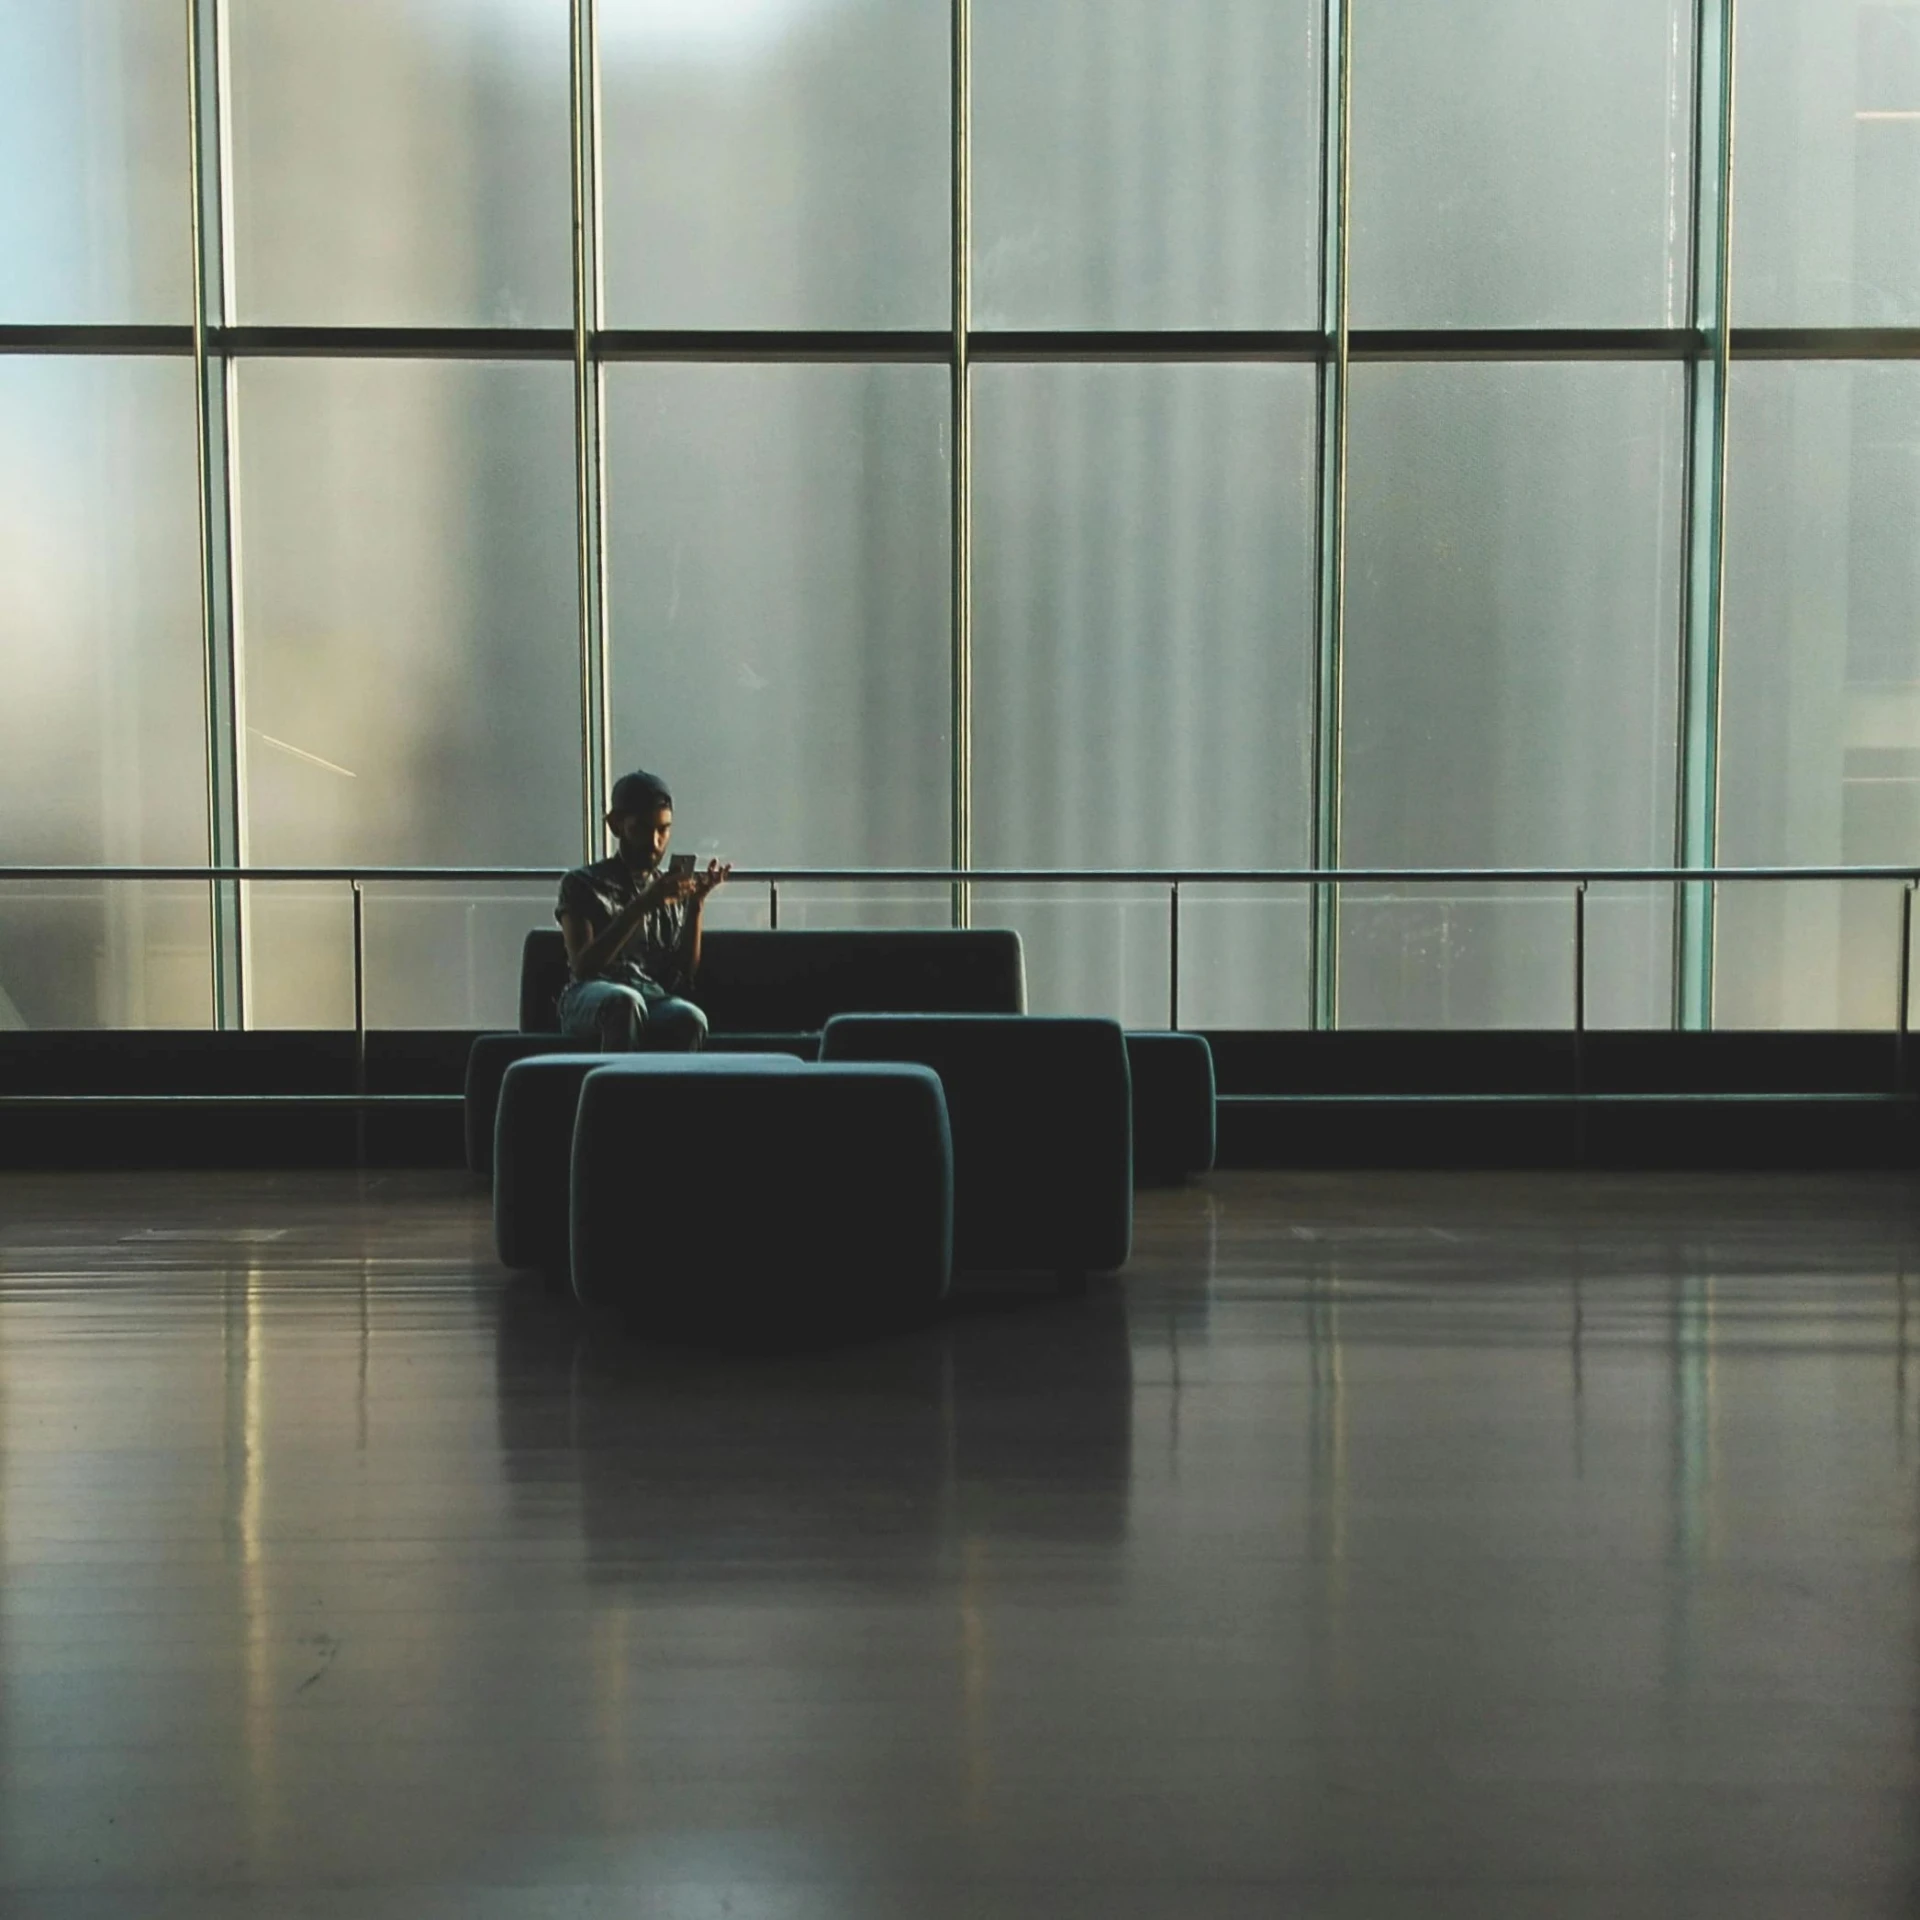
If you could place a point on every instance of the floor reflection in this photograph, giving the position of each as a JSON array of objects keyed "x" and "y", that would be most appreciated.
[
  {"x": 1540, "y": 1542},
  {"x": 892, "y": 1462}
]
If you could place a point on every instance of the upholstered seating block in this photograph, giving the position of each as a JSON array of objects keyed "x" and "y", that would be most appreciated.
[
  {"x": 757, "y": 980},
  {"x": 803, "y": 1046},
  {"x": 1041, "y": 1112},
  {"x": 766, "y": 982},
  {"x": 749, "y": 1205},
  {"x": 1173, "y": 1105},
  {"x": 487, "y": 1062},
  {"x": 533, "y": 1144}
]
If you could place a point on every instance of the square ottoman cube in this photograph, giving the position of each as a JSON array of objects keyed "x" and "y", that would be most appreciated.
[
  {"x": 533, "y": 1143},
  {"x": 751, "y": 1205},
  {"x": 1041, "y": 1111}
]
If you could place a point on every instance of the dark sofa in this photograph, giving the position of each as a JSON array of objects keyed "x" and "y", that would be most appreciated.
[{"x": 754, "y": 981}]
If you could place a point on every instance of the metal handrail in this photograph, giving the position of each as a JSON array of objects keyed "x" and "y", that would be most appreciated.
[
  {"x": 1023, "y": 876},
  {"x": 1579, "y": 879}
]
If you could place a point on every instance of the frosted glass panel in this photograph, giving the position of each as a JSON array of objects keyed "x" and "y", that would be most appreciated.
[
  {"x": 411, "y": 649},
  {"x": 1510, "y": 677},
  {"x": 1820, "y": 700},
  {"x": 1521, "y": 163},
  {"x": 402, "y": 162},
  {"x": 102, "y": 748},
  {"x": 440, "y": 955},
  {"x": 779, "y": 600},
  {"x": 1826, "y": 201},
  {"x": 1089, "y": 950},
  {"x": 94, "y": 180},
  {"x": 776, "y": 163},
  {"x": 1143, "y": 633},
  {"x": 1146, "y": 163},
  {"x": 1243, "y": 957}
]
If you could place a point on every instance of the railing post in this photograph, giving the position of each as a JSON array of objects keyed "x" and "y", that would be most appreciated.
[
  {"x": 1579, "y": 969},
  {"x": 1904, "y": 995},
  {"x": 1173, "y": 957},
  {"x": 1579, "y": 1023},
  {"x": 359, "y": 1025},
  {"x": 773, "y": 905}
]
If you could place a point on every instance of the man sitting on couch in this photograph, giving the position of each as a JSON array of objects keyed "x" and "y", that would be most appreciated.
[{"x": 633, "y": 933}]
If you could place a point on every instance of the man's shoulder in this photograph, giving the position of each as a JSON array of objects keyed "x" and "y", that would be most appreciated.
[{"x": 599, "y": 880}]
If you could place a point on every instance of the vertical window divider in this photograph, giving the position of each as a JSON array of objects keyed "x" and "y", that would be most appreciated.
[
  {"x": 960, "y": 273},
  {"x": 589, "y": 406},
  {"x": 223, "y": 690},
  {"x": 1703, "y": 594},
  {"x": 1336, "y": 140}
]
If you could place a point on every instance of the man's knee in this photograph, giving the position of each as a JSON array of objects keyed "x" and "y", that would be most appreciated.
[
  {"x": 681, "y": 1026},
  {"x": 620, "y": 1017},
  {"x": 607, "y": 1014}
]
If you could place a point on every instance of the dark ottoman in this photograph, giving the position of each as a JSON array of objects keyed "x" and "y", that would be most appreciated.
[
  {"x": 533, "y": 1144},
  {"x": 1173, "y": 1106},
  {"x": 1041, "y": 1111},
  {"x": 757, "y": 1207},
  {"x": 487, "y": 1062}
]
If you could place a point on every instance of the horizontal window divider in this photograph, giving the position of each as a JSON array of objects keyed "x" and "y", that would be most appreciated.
[
  {"x": 1079, "y": 343},
  {"x": 1005, "y": 876},
  {"x": 91, "y": 339},
  {"x": 1038, "y": 346},
  {"x": 780, "y": 344},
  {"x": 393, "y": 343},
  {"x": 1826, "y": 343},
  {"x": 1526, "y": 343}
]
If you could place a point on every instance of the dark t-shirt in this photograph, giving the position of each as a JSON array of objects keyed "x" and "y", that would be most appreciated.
[{"x": 654, "y": 960}]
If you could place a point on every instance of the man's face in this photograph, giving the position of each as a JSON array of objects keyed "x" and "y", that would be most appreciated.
[{"x": 643, "y": 837}]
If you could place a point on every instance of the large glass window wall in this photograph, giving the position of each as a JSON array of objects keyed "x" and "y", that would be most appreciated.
[{"x": 1037, "y": 436}]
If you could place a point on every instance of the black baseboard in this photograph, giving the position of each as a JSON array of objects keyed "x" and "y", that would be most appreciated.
[
  {"x": 1792, "y": 1131},
  {"x": 1348, "y": 1099},
  {"x": 297, "y": 1131}
]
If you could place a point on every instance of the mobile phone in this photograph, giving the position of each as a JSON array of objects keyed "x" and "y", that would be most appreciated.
[{"x": 680, "y": 866}]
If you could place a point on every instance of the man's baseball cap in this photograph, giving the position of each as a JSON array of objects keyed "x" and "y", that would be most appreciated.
[{"x": 639, "y": 793}]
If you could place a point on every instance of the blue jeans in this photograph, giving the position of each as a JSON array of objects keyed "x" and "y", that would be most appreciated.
[{"x": 615, "y": 1019}]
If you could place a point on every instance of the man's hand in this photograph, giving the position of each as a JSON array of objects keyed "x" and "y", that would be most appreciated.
[
  {"x": 663, "y": 890},
  {"x": 715, "y": 876}
]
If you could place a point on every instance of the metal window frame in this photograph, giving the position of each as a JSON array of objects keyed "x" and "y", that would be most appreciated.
[
  {"x": 1703, "y": 540},
  {"x": 1706, "y": 348},
  {"x": 1333, "y": 347},
  {"x": 223, "y": 676},
  {"x": 589, "y": 407}
]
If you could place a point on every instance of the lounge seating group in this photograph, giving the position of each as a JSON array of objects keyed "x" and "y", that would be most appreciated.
[{"x": 874, "y": 1111}]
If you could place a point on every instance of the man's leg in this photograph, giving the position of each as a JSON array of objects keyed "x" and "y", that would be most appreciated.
[
  {"x": 675, "y": 1026},
  {"x": 603, "y": 1015}
]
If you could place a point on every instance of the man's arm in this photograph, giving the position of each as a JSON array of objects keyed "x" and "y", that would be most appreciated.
[
  {"x": 588, "y": 954},
  {"x": 714, "y": 876}
]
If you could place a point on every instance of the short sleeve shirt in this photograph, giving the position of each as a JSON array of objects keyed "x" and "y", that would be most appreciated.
[{"x": 654, "y": 960}]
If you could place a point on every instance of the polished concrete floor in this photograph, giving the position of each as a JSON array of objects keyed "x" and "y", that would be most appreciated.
[{"x": 1379, "y": 1546}]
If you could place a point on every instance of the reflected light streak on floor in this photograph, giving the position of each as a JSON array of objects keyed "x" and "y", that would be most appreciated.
[{"x": 1379, "y": 1545}]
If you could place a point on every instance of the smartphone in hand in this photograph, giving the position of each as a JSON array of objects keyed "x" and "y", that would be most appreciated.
[{"x": 680, "y": 866}]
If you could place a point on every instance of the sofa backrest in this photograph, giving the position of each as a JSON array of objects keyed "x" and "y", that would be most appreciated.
[{"x": 757, "y": 981}]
